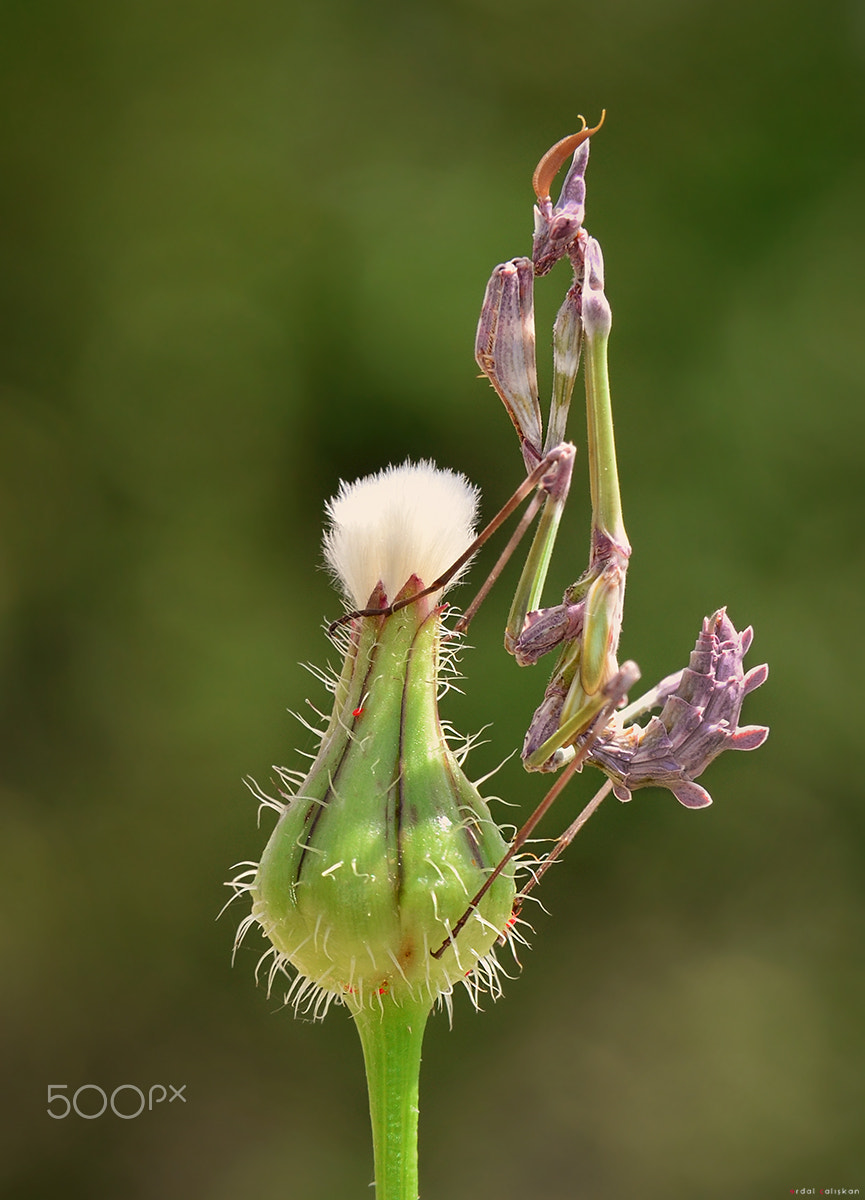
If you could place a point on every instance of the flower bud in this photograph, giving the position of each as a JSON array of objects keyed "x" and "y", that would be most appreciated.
[{"x": 376, "y": 856}]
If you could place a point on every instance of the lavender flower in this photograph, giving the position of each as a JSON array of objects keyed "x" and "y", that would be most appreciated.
[{"x": 699, "y": 719}]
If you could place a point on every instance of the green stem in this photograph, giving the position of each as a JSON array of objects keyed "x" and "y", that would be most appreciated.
[{"x": 391, "y": 1037}]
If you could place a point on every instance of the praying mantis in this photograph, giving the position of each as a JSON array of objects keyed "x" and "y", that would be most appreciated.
[{"x": 578, "y": 718}]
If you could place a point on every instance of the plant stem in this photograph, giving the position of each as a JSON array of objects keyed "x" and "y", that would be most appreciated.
[{"x": 391, "y": 1037}]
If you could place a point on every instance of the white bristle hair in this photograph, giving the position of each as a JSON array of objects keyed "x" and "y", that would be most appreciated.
[{"x": 414, "y": 519}]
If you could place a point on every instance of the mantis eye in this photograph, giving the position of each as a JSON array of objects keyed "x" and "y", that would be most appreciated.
[{"x": 555, "y": 158}]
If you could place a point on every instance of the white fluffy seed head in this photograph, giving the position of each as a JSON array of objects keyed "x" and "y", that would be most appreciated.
[{"x": 414, "y": 519}]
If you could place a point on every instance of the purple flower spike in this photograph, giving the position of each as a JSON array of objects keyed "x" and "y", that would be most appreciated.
[{"x": 699, "y": 719}]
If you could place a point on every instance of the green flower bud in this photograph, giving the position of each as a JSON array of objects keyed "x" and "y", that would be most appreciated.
[{"x": 375, "y": 857}]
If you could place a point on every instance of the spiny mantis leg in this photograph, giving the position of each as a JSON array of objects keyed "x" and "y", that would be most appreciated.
[
  {"x": 528, "y": 592},
  {"x": 538, "y": 559},
  {"x": 594, "y": 603},
  {"x": 614, "y": 691},
  {"x": 552, "y": 475},
  {"x": 562, "y": 844},
  {"x": 486, "y": 587},
  {"x": 567, "y": 341}
]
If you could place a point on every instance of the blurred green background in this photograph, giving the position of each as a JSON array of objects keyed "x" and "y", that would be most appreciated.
[{"x": 244, "y": 250}]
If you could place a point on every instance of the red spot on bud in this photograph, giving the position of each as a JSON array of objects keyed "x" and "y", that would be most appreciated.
[{"x": 356, "y": 712}]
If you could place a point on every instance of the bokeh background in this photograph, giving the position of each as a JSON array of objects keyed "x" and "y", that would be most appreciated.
[{"x": 244, "y": 250}]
